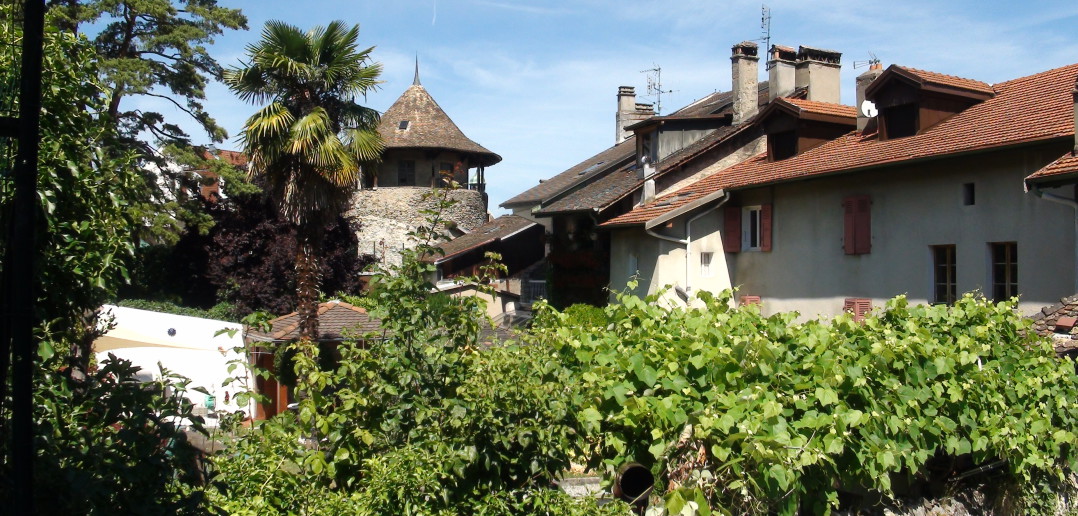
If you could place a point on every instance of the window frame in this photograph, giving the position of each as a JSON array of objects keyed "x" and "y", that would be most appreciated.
[
  {"x": 707, "y": 259},
  {"x": 1003, "y": 257},
  {"x": 945, "y": 261},
  {"x": 748, "y": 224}
]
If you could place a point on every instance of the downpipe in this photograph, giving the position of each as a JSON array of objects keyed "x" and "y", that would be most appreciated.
[{"x": 687, "y": 241}]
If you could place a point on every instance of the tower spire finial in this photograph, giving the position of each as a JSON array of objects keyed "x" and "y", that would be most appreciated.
[{"x": 415, "y": 82}]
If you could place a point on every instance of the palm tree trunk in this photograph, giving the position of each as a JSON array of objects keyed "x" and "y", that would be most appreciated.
[{"x": 307, "y": 280}]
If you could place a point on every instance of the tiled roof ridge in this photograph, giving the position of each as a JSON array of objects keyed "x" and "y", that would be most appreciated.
[
  {"x": 962, "y": 133},
  {"x": 949, "y": 80},
  {"x": 816, "y": 106},
  {"x": 571, "y": 175}
]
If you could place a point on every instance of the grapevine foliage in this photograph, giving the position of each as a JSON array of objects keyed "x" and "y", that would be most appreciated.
[{"x": 750, "y": 414}]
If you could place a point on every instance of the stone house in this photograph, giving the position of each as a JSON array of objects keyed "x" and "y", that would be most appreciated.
[
  {"x": 945, "y": 190},
  {"x": 424, "y": 149},
  {"x": 655, "y": 154}
]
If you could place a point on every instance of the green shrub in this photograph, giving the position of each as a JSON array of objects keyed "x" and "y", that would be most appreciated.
[{"x": 761, "y": 414}]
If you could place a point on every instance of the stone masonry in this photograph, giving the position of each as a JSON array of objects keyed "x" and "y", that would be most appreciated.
[{"x": 387, "y": 215}]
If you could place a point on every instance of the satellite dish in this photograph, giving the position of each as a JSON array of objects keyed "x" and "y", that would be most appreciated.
[{"x": 868, "y": 108}]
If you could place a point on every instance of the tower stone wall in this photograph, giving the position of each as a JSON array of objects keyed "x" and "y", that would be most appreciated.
[{"x": 387, "y": 215}]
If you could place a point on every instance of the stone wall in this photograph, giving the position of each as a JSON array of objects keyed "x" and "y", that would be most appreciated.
[{"x": 388, "y": 214}]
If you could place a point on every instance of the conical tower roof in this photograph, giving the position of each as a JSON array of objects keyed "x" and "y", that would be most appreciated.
[{"x": 416, "y": 121}]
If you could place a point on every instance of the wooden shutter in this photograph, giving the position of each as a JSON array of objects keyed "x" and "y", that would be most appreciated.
[
  {"x": 731, "y": 240},
  {"x": 765, "y": 227},
  {"x": 857, "y": 224},
  {"x": 858, "y": 306},
  {"x": 750, "y": 300}
]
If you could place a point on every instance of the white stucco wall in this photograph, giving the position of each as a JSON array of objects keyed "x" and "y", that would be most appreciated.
[{"x": 913, "y": 207}]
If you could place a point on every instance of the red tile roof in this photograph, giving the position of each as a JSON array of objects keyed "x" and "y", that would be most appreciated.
[
  {"x": 1065, "y": 165},
  {"x": 940, "y": 79},
  {"x": 823, "y": 108},
  {"x": 1029, "y": 109},
  {"x": 337, "y": 320}
]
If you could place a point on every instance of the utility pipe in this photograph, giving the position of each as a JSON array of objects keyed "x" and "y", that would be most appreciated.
[
  {"x": 1074, "y": 205},
  {"x": 649, "y": 226}
]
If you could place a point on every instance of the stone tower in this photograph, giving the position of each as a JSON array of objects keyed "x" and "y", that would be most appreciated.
[{"x": 423, "y": 147}]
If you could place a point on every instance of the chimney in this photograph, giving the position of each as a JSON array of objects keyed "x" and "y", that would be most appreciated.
[
  {"x": 863, "y": 81},
  {"x": 744, "y": 73},
  {"x": 629, "y": 112},
  {"x": 818, "y": 71},
  {"x": 780, "y": 71},
  {"x": 1075, "y": 95}
]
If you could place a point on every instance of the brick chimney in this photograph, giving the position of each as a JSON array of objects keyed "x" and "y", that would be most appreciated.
[
  {"x": 818, "y": 70},
  {"x": 744, "y": 73},
  {"x": 863, "y": 80},
  {"x": 629, "y": 112},
  {"x": 780, "y": 71}
]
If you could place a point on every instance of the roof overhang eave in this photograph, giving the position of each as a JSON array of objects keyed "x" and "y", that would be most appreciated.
[{"x": 684, "y": 209}]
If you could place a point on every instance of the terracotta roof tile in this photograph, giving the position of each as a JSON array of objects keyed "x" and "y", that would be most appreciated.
[
  {"x": 579, "y": 173},
  {"x": 428, "y": 127},
  {"x": 1064, "y": 336},
  {"x": 949, "y": 80},
  {"x": 1065, "y": 165},
  {"x": 823, "y": 108},
  {"x": 492, "y": 231},
  {"x": 1029, "y": 109},
  {"x": 337, "y": 320}
]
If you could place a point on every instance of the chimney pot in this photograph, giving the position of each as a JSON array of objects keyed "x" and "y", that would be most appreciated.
[
  {"x": 818, "y": 71},
  {"x": 629, "y": 113},
  {"x": 780, "y": 71},
  {"x": 744, "y": 76}
]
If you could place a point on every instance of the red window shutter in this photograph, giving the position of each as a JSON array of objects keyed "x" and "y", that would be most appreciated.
[
  {"x": 750, "y": 300},
  {"x": 765, "y": 227},
  {"x": 858, "y": 306},
  {"x": 863, "y": 225},
  {"x": 857, "y": 224},
  {"x": 731, "y": 240}
]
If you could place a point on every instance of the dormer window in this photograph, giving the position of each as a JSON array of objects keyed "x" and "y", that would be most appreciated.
[
  {"x": 782, "y": 145},
  {"x": 910, "y": 101},
  {"x": 900, "y": 121},
  {"x": 403, "y": 125}
]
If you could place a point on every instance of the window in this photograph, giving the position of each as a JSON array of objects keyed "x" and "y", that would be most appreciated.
[
  {"x": 747, "y": 228},
  {"x": 969, "y": 197},
  {"x": 756, "y": 228},
  {"x": 857, "y": 227},
  {"x": 1004, "y": 270},
  {"x": 406, "y": 173},
  {"x": 750, "y": 228},
  {"x": 943, "y": 273},
  {"x": 634, "y": 264},
  {"x": 705, "y": 265},
  {"x": 858, "y": 306},
  {"x": 899, "y": 121},
  {"x": 782, "y": 145},
  {"x": 403, "y": 125}
]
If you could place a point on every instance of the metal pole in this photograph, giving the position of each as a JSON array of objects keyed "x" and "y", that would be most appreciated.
[{"x": 21, "y": 252}]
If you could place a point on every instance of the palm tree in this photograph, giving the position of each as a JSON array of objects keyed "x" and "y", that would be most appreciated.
[{"x": 311, "y": 140}]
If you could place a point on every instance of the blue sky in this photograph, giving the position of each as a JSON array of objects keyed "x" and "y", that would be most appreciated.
[{"x": 536, "y": 82}]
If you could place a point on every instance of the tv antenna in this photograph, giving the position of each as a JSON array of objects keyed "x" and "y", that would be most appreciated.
[
  {"x": 765, "y": 31},
  {"x": 655, "y": 86},
  {"x": 872, "y": 60}
]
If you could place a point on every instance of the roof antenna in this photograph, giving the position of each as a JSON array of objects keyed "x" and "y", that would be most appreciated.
[
  {"x": 872, "y": 60},
  {"x": 765, "y": 31},
  {"x": 655, "y": 86},
  {"x": 415, "y": 82}
]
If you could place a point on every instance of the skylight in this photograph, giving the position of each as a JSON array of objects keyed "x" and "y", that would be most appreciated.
[{"x": 403, "y": 125}]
